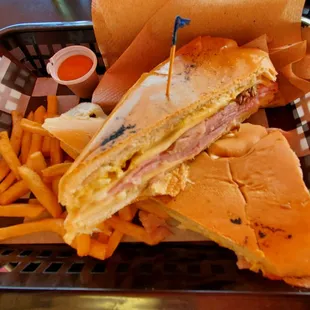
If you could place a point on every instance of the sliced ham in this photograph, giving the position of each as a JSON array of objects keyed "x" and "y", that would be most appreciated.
[{"x": 196, "y": 139}]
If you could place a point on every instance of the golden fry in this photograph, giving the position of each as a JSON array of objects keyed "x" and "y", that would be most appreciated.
[
  {"x": 130, "y": 229},
  {"x": 36, "y": 162},
  {"x": 126, "y": 213},
  {"x": 106, "y": 229},
  {"x": 4, "y": 169},
  {"x": 7, "y": 182},
  {"x": 56, "y": 152},
  {"x": 56, "y": 170},
  {"x": 17, "y": 132},
  {"x": 70, "y": 151},
  {"x": 52, "y": 106},
  {"x": 37, "y": 140},
  {"x": 21, "y": 210},
  {"x": 98, "y": 249},
  {"x": 34, "y": 201},
  {"x": 55, "y": 185},
  {"x": 34, "y": 127},
  {"x": 16, "y": 191},
  {"x": 113, "y": 242},
  {"x": 46, "y": 146},
  {"x": 152, "y": 207},
  {"x": 8, "y": 154},
  {"x": 43, "y": 193},
  {"x": 83, "y": 244},
  {"x": 26, "y": 142},
  {"x": 53, "y": 225},
  {"x": 103, "y": 238}
]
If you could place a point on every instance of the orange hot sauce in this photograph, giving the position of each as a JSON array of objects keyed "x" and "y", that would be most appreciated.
[{"x": 74, "y": 67}]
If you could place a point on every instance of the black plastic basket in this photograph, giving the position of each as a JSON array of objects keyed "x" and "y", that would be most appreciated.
[{"x": 183, "y": 267}]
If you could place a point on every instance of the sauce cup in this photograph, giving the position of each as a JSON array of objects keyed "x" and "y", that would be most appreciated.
[{"x": 83, "y": 86}]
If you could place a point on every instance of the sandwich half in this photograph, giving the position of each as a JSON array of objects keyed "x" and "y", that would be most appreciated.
[
  {"x": 215, "y": 85},
  {"x": 252, "y": 200}
]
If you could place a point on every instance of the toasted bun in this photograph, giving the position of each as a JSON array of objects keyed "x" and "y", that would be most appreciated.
[
  {"x": 208, "y": 73},
  {"x": 255, "y": 204}
]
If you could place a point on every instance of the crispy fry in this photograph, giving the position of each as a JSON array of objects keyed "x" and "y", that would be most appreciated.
[
  {"x": 46, "y": 146},
  {"x": 54, "y": 225},
  {"x": 56, "y": 170},
  {"x": 34, "y": 127},
  {"x": 52, "y": 105},
  {"x": 97, "y": 249},
  {"x": 45, "y": 196},
  {"x": 113, "y": 242},
  {"x": 7, "y": 182},
  {"x": 125, "y": 214},
  {"x": 16, "y": 191},
  {"x": 55, "y": 185},
  {"x": 37, "y": 140},
  {"x": 4, "y": 169},
  {"x": 83, "y": 244},
  {"x": 17, "y": 132},
  {"x": 8, "y": 154},
  {"x": 34, "y": 201},
  {"x": 153, "y": 207},
  {"x": 56, "y": 152},
  {"x": 103, "y": 238},
  {"x": 26, "y": 142},
  {"x": 21, "y": 210},
  {"x": 70, "y": 151},
  {"x": 106, "y": 229},
  {"x": 130, "y": 229},
  {"x": 36, "y": 162}
]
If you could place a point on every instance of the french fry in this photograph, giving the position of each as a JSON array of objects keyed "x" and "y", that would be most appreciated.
[
  {"x": 56, "y": 170},
  {"x": 53, "y": 225},
  {"x": 4, "y": 169},
  {"x": 16, "y": 191},
  {"x": 36, "y": 162},
  {"x": 52, "y": 110},
  {"x": 17, "y": 132},
  {"x": 52, "y": 105},
  {"x": 26, "y": 142},
  {"x": 34, "y": 127},
  {"x": 130, "y": 229},
  {"x": 113, "y": 242},
  {"x": 16, "y": 138},
  {"x": 34, "y": 201},
  {"x": 125, "y": 213},
  {"x": 97, "y": 250},
  {"x": 7, "y": 182},
  {"x": 46, "y": 146},
  {"x": 8, "y": 154},
  {"x": 37, "y": 140},
  {"x": 55, "y": 185},
  {"x": 21, "y": 210},
  {"x": 83, "y": 244},
  {"x": 104, "y": 228},
  {"x": 103, "y": 238},
  {"x": 56, "y": 152},
  {"x": 153, "y": 207},
  {"x": 69, "y": 150},
  {"x": 43, "y": 193}
]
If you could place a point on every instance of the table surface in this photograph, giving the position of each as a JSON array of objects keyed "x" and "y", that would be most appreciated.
[{"x": 29, "y": 11}]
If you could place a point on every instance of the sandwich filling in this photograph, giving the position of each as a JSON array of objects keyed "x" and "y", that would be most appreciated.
[{"x": 125, "y": 185}]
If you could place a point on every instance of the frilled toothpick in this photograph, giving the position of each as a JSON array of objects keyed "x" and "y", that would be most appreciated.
[{"x": 179, "y": 23}]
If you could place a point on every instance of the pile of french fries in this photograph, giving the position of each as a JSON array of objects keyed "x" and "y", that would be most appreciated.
[{"x": 34, "y": 161}]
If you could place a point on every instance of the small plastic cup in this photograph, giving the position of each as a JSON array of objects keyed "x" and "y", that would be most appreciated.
[{"x": 86, "y": 84}]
